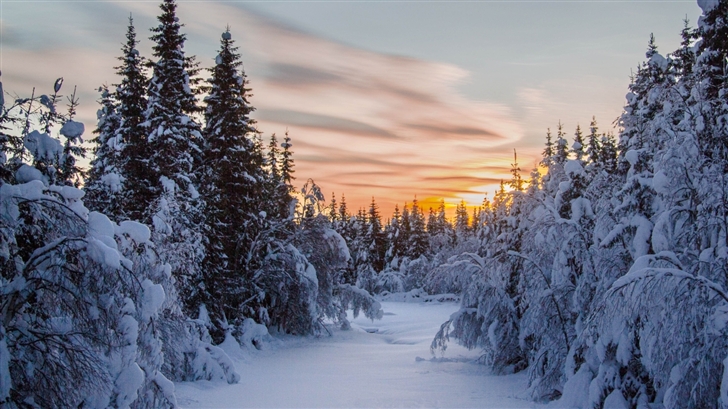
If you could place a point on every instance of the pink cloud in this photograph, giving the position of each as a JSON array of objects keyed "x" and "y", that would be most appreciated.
[{"x": 363, "y": 123}]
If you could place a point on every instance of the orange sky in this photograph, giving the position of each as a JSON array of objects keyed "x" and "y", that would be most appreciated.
[{"x": 391, "y": 100}]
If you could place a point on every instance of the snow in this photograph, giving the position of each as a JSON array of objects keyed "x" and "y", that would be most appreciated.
[
  {"x": 43, "y": 146},
  {"x": 100, "y": 225},
  {"x": 72, "y": 129},
  {"x": 723, "y": 384},
  {"x": 71, "y": 193},
  {"x": 129, "y": 382},
  {"x": 707, "y": 5},
  {"x": 384, "y": 363},
  {"x": 103, "y": 254},
  {"x": 616, "y": 400},
  {"x": 254, "y": 334},
  {"x": 573, "y": 167},
  {"x": 632, "y": 156},
  {"x": 576, "y": 390},
  {"x": 136, "y": 231},
  {"x": 113, "y": 181},
  {"x": 27, "y": 173},
  {"x": 166, "y": 386},
  {"x": 153, "y": 295}
]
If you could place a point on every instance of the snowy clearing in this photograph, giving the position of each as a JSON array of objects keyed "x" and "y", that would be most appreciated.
[{"x": 384, "y": 363}]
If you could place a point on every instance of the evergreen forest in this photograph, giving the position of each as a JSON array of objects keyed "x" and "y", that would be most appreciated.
[{"x": 602, "y": 275}]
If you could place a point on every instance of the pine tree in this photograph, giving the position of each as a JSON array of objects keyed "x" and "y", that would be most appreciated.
[
  {"x": 284, "y": 197},
  {"x": 375, "y": 239},
  {"x": 577, "y": 147},
  {"x": 103, "y": 186},
  {"x": 175, "y": 135},
  {"x": 516, "y": 181},
  {"x": 139, "y": 180},
  {"x": 593, "y": 145},
  {"x": 344, "y": 215},
  {"x": 175, "y": 156},
  {"x": 333, "y": 213},
  {"x": 418, "y": 240},
  {"x": 561, "y": 154},
  {"x": 233, "y": 184},
  {"x": 462, "y": 222},
  {"x": 548, "y": 151},
  {"x": 395, "y": 243}
]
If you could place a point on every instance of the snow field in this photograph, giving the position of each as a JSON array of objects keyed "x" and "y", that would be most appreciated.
[{"x": 384, "y": 364}]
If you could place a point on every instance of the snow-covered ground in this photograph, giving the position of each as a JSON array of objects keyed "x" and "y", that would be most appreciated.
[{"x": 385, "y": 363}]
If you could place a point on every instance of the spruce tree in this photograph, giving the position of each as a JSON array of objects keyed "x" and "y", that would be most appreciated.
[
  {"x": 577, "y": 147},
  {"x": 175, "y": 144},
  {"x": 516, "y": 181},
  {"x": 548, "y": 151},
  {"x": 173, "y": 131},
  {"x": 593, "y": 145},
  {"x": 284, "y": 196},
  {"x": 462, "y": 222},
  {"x": 418, "y": 239},
  {"x": 103, "y": 186},
  {"x": 395, "y": 244},
  {"x": 561, "y": 154},
  {"x": 233, "y": 187},
  {"x": 375, "y": 238},
  {"x": 333, "y": 210},
  {"x": 139, "y": 181}
]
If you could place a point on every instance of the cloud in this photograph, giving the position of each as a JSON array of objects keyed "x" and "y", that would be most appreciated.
[
  {"x": 300, "y": 76},
  {"x": 363, "y": 122},
  {"x": 323, "y": 122}
]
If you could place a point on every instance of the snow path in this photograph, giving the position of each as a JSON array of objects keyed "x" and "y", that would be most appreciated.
[{"x": 357, "y": 368}]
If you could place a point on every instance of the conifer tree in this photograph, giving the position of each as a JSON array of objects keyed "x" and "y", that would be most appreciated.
[
  {"x": 395, "y": 244},
  {"x": 233, "y": 186},
  {"x": 516, "y": 181},
  {"x": 375, "y": 240},
  {"x": 548, "y": 151},
  {"x": 462, "y": 222},
  {"x": 69, "y": 172},
  {"x": 593, "y": 145},
  {"x": 417, "y": 238},
  {"x": 577, "y": 147},
  {"x": 103, "y": 186},
  {"x": 139, "y": 182},
  {"x": 175, "y": 144},
  {"x": 343, "y": 210},
  {"x": 406, "y": 224},
  {"x": 173, "y": 131},
  {"x": 561, "y": 154}
]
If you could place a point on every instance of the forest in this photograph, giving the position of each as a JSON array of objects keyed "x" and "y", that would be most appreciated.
[{"x": 601, "y": 274}]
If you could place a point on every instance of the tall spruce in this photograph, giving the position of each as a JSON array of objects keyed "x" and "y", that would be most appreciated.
[
  {"x": 232, "y": 184},
  {"x": 139, "y": 181},
  {"x": 175, "y": 144}
]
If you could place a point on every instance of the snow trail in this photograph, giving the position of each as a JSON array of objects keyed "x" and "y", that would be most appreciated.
[{"x": 384, "y": 363}]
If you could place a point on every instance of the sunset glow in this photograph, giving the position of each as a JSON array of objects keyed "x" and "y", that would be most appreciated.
[{"x": 364, "y": 122}]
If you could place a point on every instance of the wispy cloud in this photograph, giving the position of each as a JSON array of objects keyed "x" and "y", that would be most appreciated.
[{"x": 363, "y": 123}]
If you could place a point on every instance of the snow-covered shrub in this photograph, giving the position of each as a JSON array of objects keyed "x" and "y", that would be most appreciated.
[
  {"x": 415, "y": 272},
  {"x": 390, "y": 280},
  {"x": 68, "y": 285},
  {"x": 326, "y": 250}
]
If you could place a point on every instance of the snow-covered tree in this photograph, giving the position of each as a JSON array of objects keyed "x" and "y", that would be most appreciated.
[
  {"x": 175, "y": 153},
  {"x": 137, "y": 178},
  {"x": 233, "y": 184},
  {"x": 104, "y": 182}
]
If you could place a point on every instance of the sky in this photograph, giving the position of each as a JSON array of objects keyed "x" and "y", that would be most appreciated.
[{"x": 385, "y": 99}]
